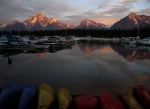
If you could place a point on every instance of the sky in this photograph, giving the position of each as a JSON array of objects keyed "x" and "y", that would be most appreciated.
[{"x": 73, "y": 11}]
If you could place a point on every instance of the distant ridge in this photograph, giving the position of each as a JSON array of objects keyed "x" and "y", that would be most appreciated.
[{"x": 90, "y": 24}]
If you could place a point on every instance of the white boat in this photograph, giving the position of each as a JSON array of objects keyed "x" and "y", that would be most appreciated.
[
  {"x": 130, "y": 40},
  {"x": 53, "y": 42},
  {"x": 145, "y": 41},
  {"x": 9, "y": 40}
]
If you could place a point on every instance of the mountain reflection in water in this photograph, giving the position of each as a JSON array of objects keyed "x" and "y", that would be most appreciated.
[
  {"x": 130, "y": 54},
  {"x": 90, "y": 67}
]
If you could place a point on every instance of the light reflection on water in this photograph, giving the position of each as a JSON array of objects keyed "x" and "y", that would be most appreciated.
[{"x": 88, "y": 68}]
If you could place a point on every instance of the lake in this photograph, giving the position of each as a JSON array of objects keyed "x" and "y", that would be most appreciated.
[{"x": 88, "y": 68}]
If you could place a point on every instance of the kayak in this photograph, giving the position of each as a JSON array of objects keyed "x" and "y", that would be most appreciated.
[
  {"x": 8, "y": 93},
  {"x": 108, "y": 101},
  {"x": 86, "y": 102},
  {"x": 46, "y": 96},
  {"x": 130, "y": 101},
  {"x": 64, "y": 98},
  {"x": 28, "y": 93},
  {"x": 142, "y": 95}
]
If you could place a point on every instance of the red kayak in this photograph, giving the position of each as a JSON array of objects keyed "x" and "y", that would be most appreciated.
[
  {"x": 143, "y": 96},
  {"x": 108, "y": 101},
  {"x": 86, "y": 102},
  {"x": 149, "y": 91}
]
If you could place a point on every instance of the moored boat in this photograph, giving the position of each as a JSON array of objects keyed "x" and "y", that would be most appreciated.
[
  {"x": 86, "y": 102},
  {"x": 130, "y": 101},
  {"x": 64, "y": 99},
  {"x": 53, "y": 42},
  {"x": 145, "y": 41},
  {"x": 142, "y": 95},
  {"x": 9, "y": 40},
  {"x": 46, "y": 96},
  {"x": 108, "y": 101},
  {"x": 130, "y": 40}
]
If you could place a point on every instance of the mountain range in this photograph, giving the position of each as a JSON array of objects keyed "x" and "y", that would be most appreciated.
[
  {"x": 42, "y": 22},
  {"x": 37, "y": 22}
]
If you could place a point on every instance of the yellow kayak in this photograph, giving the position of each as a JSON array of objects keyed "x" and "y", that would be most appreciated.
[
  {"x": 64, "y": 98},
  {"x": 46, "y": 96},
  {"x": 129, "y": 99}
]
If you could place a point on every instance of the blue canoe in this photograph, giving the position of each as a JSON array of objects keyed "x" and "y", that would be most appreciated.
[
  {"x": 27, "y": 95},
  {"x": 7, "y": 95}
]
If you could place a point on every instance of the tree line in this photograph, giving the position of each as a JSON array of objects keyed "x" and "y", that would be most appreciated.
[{"x": 107, "y": 33}]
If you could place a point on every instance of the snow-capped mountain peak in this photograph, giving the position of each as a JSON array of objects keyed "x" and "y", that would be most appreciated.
[
  {"x": 132, "y": 21},
  {"x": 2, "y": 25},
  {"x": 40, "y": 16},
  {"x": 13, "y": 22},
  {"x": 132, "y": 15},
  {"x": 52, "y": 20},
  {"x": 41, "y": 22},
  {"x": 90, "y": 24}
]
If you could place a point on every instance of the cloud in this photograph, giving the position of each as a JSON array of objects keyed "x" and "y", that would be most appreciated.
[
  {"x": 129, "y": 1},
  {"x": 145, "y": 11},
  {"x": 107, "y": 16},
  {"x": 13, "y": 9},
  {"x": 118, "y": 10},
  {"x": 71, "y": 11}
]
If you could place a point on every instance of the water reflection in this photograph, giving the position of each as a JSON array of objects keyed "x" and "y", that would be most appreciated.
[
  {"x": 134, "y": 52},
  {"x": 130, "y": 51},
  {"x": 91, "y": 67}
]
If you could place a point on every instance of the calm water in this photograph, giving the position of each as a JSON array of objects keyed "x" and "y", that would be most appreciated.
[{"x": 88, "y": 68}]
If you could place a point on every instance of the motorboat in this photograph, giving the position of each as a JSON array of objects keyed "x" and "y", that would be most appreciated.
[
  {"x": 130, "y": 40},
  {"x": 53, "y": 42},
  {"x": 145, "y": 41},
  {"x": 11, "y": 40}
]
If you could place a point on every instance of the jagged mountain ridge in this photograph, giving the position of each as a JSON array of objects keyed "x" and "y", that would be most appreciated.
[
  {"x": 90, "y": 24},
  {"x": 2, "y": 25},
  {"x": 41, "y": 22},
  {"x": 132, "y": 21},
  {"x": 37, "y": 22}
]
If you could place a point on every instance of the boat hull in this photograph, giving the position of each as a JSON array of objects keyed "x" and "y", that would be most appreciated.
[
  {"x": 108, "y": 101},
  {"x": 86, "y": 102},
  {"x": 143, "y": 96},
  {"x": 46, "y": 96},
  {"x": 27, "y": 96},
  {"x": 64, "y": 99},
  {"x": 130, "y": 101}
]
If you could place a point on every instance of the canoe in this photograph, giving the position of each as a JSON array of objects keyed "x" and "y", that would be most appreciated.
[
  {"x": 46, "y": 96},
  {"x": 143, "y": 96},
  {"x": 86, "y": 102},
  {"x": 13, "y": 99},
  {"x": 8, "y": 93},
  {"x": 64, "y": 99},
  {"x": 148, "y": 91},
  {"x": 108, "y": 101},
  {"x": 28, "y": 93},
  {"x": 130, "y": 101}
]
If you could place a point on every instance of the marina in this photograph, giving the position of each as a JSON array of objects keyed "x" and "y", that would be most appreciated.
[{"x": 84, "y": 64}]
